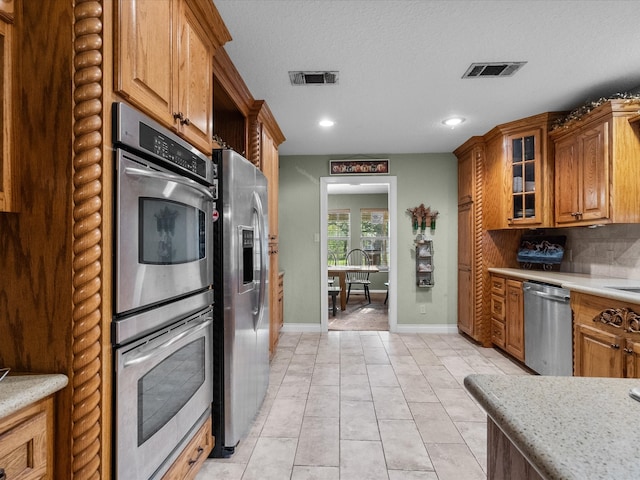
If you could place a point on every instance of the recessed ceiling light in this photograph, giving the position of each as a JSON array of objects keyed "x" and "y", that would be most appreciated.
[
  {"x": 453, "y": 121},
  {"x": 326, "y": 123}
]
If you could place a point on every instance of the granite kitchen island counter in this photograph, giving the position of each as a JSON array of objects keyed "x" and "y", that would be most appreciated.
[{"x": 564, "y": 427}]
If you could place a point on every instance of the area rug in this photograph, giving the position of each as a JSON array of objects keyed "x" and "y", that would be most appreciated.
[{"x": 361, "y": 315}]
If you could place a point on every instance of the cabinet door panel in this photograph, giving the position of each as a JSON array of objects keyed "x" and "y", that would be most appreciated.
[
  {"x": 632, "y": 351},
  {"x": 465, "y": 301},
  {"x": 598, "y": 353},
  {"x": 515, "y": 319},
  {"x": 466, "y": 235},
  {"x": 595, "y": 173},
  {"x": 195, "y": 83},
  {"x": 145, "y": 55},
  {"x": 466, "y": 179},
  {"x": 567, "y": 181}
]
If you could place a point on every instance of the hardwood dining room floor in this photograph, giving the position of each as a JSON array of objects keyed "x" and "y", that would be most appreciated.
[{"x": 367, "y": 405}]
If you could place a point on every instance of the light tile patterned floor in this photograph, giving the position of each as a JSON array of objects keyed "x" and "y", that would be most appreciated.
[{"x": 367, "y": 405}]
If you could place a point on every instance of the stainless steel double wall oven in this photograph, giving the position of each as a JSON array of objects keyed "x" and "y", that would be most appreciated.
[{"x": 163, "y": 274}]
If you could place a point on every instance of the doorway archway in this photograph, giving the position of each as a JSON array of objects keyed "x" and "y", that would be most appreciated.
[{"x": 362, "y": 184}]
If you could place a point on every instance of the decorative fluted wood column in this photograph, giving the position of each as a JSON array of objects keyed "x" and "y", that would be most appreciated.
[{"x": 87, "y": 236}]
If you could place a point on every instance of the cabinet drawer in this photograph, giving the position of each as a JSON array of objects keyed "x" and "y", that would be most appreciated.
[
  {"x": 23, "y": 448},
  {"x": 193, "y": 456},
  {"x": 498, "y": 333},
  {"x": 498, "y": 307},
  {"x": 498, "y": 285}
]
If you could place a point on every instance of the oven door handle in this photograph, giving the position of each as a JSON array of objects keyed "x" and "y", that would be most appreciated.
[
  {"x": 137, "y": 172},
  {"x": 141, "y": 357}
]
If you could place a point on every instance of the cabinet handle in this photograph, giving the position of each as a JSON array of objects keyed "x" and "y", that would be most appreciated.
[
  {"x": 186, "y": 122},
  {"x": 3, "y": 476},
  {"x": 178, "y": 116},
  {"x": 628, "y": 351},
  {"x": 615, "y": 346},
  {"x": 200, "y": 450}
]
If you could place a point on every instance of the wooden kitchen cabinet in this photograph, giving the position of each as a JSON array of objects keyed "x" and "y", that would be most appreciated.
[
  {"x": 26, "y": 442},
  {"x": 471, "y": 301},
  {"x": 507, "y": 315},
  {"x": 606, "y": 337},
  {"x": 8, "y": 162},
  {"x": 596, "y": 167},
  {"x": 264, "y": 138},
  {"x": 164, "y": 62},
  {"x": 519, "y": 173}
]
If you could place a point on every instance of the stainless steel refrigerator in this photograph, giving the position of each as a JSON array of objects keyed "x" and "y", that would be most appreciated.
[{"x": 241, "y": 310}]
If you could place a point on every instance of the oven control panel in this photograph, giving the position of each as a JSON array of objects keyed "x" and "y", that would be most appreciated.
[{"x": 138, "y": 132}]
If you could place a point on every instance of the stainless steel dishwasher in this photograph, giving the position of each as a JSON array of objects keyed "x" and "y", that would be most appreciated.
[{"x": 548, "y": 339}]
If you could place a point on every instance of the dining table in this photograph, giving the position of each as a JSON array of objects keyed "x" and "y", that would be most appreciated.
[{"x": 340, "y": 271}]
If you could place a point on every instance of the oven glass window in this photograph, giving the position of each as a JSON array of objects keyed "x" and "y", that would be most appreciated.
[
  {"x": 170, "y": 232},
  {"x": 164, "y": 390}
]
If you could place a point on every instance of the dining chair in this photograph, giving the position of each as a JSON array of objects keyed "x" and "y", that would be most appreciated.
[
  {"x": 360, "y": 258},
  {"x": 332, "y": 259}
]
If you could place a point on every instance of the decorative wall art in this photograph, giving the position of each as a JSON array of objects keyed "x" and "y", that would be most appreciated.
[{"x": 377, "y": 166}]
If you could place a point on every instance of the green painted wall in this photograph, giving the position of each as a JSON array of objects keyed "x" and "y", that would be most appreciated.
[{"x": 422, "y": 178}]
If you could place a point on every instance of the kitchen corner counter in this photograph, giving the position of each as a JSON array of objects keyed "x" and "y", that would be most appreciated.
[
  {"x": 18, "y": 391},
  {"x": 565, "y": 427},
  {"x": 578, "y": 282}
]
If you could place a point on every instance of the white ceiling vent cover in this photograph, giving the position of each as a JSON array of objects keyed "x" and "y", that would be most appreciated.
[
  {"x": 313, "y": 78},
  {"x": 496, "y": 69}
]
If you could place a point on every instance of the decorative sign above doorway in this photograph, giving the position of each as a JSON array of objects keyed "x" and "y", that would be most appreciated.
[{"x": 359, "y": 167}]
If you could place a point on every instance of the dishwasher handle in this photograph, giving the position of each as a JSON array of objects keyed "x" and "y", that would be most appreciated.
[{"x": 557, "y": 298}]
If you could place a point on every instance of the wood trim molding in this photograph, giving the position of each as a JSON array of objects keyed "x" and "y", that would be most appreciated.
[
  {"x": 86, "y": 375},
  {"x": 623, "y": 317},
  {"x": 226, "y": 73}
]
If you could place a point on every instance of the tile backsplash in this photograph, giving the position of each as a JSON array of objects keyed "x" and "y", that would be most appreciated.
[{"x": 608, "y": 251}]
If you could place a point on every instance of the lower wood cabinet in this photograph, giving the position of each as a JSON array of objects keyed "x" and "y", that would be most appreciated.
[
  {"x": 504, "y": 460},
  {"x": 507, "y": 315},
  {"x": 193, "y": 456},
  {"x": 606, "y": 337},
  {"x": 26, "y": 442},
  {"x": 276, "y": 319}
]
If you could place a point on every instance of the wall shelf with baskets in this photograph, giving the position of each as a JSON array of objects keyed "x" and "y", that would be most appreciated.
[{"x": 424, "y": 264}]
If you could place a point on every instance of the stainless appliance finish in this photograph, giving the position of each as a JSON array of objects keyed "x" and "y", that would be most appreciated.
[
  {"x": 241, "y": 313},
  {"x": 162, "y": 395},
  {"x": 548, "y": 341},
  {"x": 165, "y": 191},
  {"x": 163, "y": 274}
]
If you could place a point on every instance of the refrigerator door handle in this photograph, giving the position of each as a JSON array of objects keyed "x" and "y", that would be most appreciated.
[{"x": 259, "y": 211}]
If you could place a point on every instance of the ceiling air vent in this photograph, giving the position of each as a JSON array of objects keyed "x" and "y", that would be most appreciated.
[
  {"x": 313, "y": 78},
  {"x": 497, "y": 69}
]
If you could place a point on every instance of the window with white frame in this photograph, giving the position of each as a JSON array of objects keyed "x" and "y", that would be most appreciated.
[
  {"x": 338, "y": 235},
  {"x": 374, "y": 235}
]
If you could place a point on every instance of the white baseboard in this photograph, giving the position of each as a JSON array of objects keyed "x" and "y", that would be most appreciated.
[
  {"x": 301, "y": 328},
  {"x": 401, "y": 328},
  {"x": 442, "y": 328}
]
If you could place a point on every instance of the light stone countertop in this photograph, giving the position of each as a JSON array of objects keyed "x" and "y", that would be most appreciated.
[
  {"x": 578, "y": 282},
  {"x": 19, "y": 391},
  {"x": 567, "y": 427}
]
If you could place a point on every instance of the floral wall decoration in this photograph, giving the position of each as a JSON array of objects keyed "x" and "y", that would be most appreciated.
[{"x": 421, "y": 216}]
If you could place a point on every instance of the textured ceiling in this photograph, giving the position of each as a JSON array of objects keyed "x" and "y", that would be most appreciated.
[{"x": 401, "y": 63}]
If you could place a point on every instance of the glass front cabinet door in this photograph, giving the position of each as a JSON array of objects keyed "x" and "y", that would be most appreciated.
[{"x": 524, "y": 155}]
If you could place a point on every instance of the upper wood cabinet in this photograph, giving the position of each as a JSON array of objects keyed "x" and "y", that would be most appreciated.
[
  {"x": 8, "y": 163},
  {"x": 467, "y": 160},
  {"x": 164, "y": 62},
  {"x": 597, "y": 167},
  {"x": 519, "y": 174}
]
